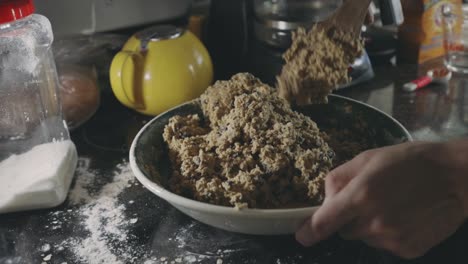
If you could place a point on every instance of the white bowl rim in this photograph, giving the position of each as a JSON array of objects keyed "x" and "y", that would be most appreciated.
[{"x": 171, "y": 197}]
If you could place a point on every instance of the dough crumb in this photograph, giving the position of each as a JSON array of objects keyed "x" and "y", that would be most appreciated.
[
  {"x": 48, "y": 257},
  {"x": 45, "y": 248},
  {"x": 249, "y": 149}
]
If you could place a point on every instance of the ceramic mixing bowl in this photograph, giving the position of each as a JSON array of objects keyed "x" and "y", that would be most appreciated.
[{"x": 151, "y": 165}]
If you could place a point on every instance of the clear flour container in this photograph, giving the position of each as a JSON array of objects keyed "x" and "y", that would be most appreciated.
[{"x": 37, "y": 157}]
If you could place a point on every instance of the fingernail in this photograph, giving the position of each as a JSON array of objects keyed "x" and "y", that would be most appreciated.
[{"x": 304, "y": 235}]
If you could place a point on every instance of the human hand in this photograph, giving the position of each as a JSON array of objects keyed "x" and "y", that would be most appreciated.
[{"x": 403, "y": 198}]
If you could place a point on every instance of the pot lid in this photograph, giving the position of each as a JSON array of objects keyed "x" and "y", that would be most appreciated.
[{"x": 158, "y": 33}]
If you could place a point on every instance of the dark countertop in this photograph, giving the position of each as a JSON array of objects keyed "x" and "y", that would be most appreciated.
[{"x": 161, "y": 234}]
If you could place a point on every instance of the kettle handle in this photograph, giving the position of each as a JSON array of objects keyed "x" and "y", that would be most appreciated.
[
  {"x": 391, "y": 12},
  {"x": 125, "y": 80}
]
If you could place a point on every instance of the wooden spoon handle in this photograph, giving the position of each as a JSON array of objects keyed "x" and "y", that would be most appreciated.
[{"x": 349, "y": 16}]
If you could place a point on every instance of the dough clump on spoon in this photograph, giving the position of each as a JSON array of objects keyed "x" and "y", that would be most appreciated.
[{"x": 316, "y": 63}]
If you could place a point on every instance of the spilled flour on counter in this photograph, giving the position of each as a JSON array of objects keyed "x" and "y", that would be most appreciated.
[
  {"x": 79, "y": 194},
  {"x": 103, "y": 217},
  {"x": 101, "y": 227}
]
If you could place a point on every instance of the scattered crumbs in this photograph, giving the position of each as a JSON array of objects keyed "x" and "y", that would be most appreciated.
[
  {"x": 178, "y": 260},
  {"x": 48, "y": 257},
  {"x": 219, "y": 261},
  {"x": 69, "y": 210},
  {"x": 133, "y": 220},
  {"x": 45, "y": 247},
  {"x": 163, "y": 259},
  {"x": 190, "y": 259},
  {"x": 131, "y": 202}
]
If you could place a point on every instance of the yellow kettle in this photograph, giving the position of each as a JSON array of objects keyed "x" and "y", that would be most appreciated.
[{"x": 160, "y": 67}]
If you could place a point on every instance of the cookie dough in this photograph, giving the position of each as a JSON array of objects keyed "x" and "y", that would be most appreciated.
[
  {"x": 316, "y": 63},
  {"x": 249, "y": 149}
]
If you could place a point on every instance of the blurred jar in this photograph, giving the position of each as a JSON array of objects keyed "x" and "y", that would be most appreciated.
[
  {"x": 455, "y": 25},
  {"x": 82, "y": 62},
  {"x": 37, "y": 157},
  {"x": 420, "y": 37}
]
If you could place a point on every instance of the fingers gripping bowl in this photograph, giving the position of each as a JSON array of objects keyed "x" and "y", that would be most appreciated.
[{"x": 151, "y": 165}]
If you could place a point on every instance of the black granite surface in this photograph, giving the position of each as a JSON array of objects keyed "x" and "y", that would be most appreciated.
[{"x": 434, "y": 113}]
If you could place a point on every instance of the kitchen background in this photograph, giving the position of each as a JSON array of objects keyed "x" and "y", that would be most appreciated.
[
  {"x": 110, "y": 217},
  {"x": 239, "y": 35}
]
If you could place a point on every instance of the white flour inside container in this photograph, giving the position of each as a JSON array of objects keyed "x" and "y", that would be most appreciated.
[{"x": 36, "y": 178}]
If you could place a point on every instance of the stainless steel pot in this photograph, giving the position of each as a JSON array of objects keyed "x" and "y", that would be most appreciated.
[{"x": 276, "y": 19}]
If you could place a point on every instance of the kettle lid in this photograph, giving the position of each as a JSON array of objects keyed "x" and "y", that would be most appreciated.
[{"x": 159, "y": 32}]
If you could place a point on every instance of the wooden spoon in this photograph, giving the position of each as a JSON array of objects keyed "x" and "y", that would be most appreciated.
[{"x": 349, "y": 17}]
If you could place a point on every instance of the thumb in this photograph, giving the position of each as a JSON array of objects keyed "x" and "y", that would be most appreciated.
[
  {"x": 338, "y": 178},
  {"x": 336, "y": 212}
]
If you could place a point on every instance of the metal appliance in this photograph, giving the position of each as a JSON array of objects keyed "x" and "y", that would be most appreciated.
[
  {"x": 252, "y": 35},
  {"x": 70, "y": 17}
]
